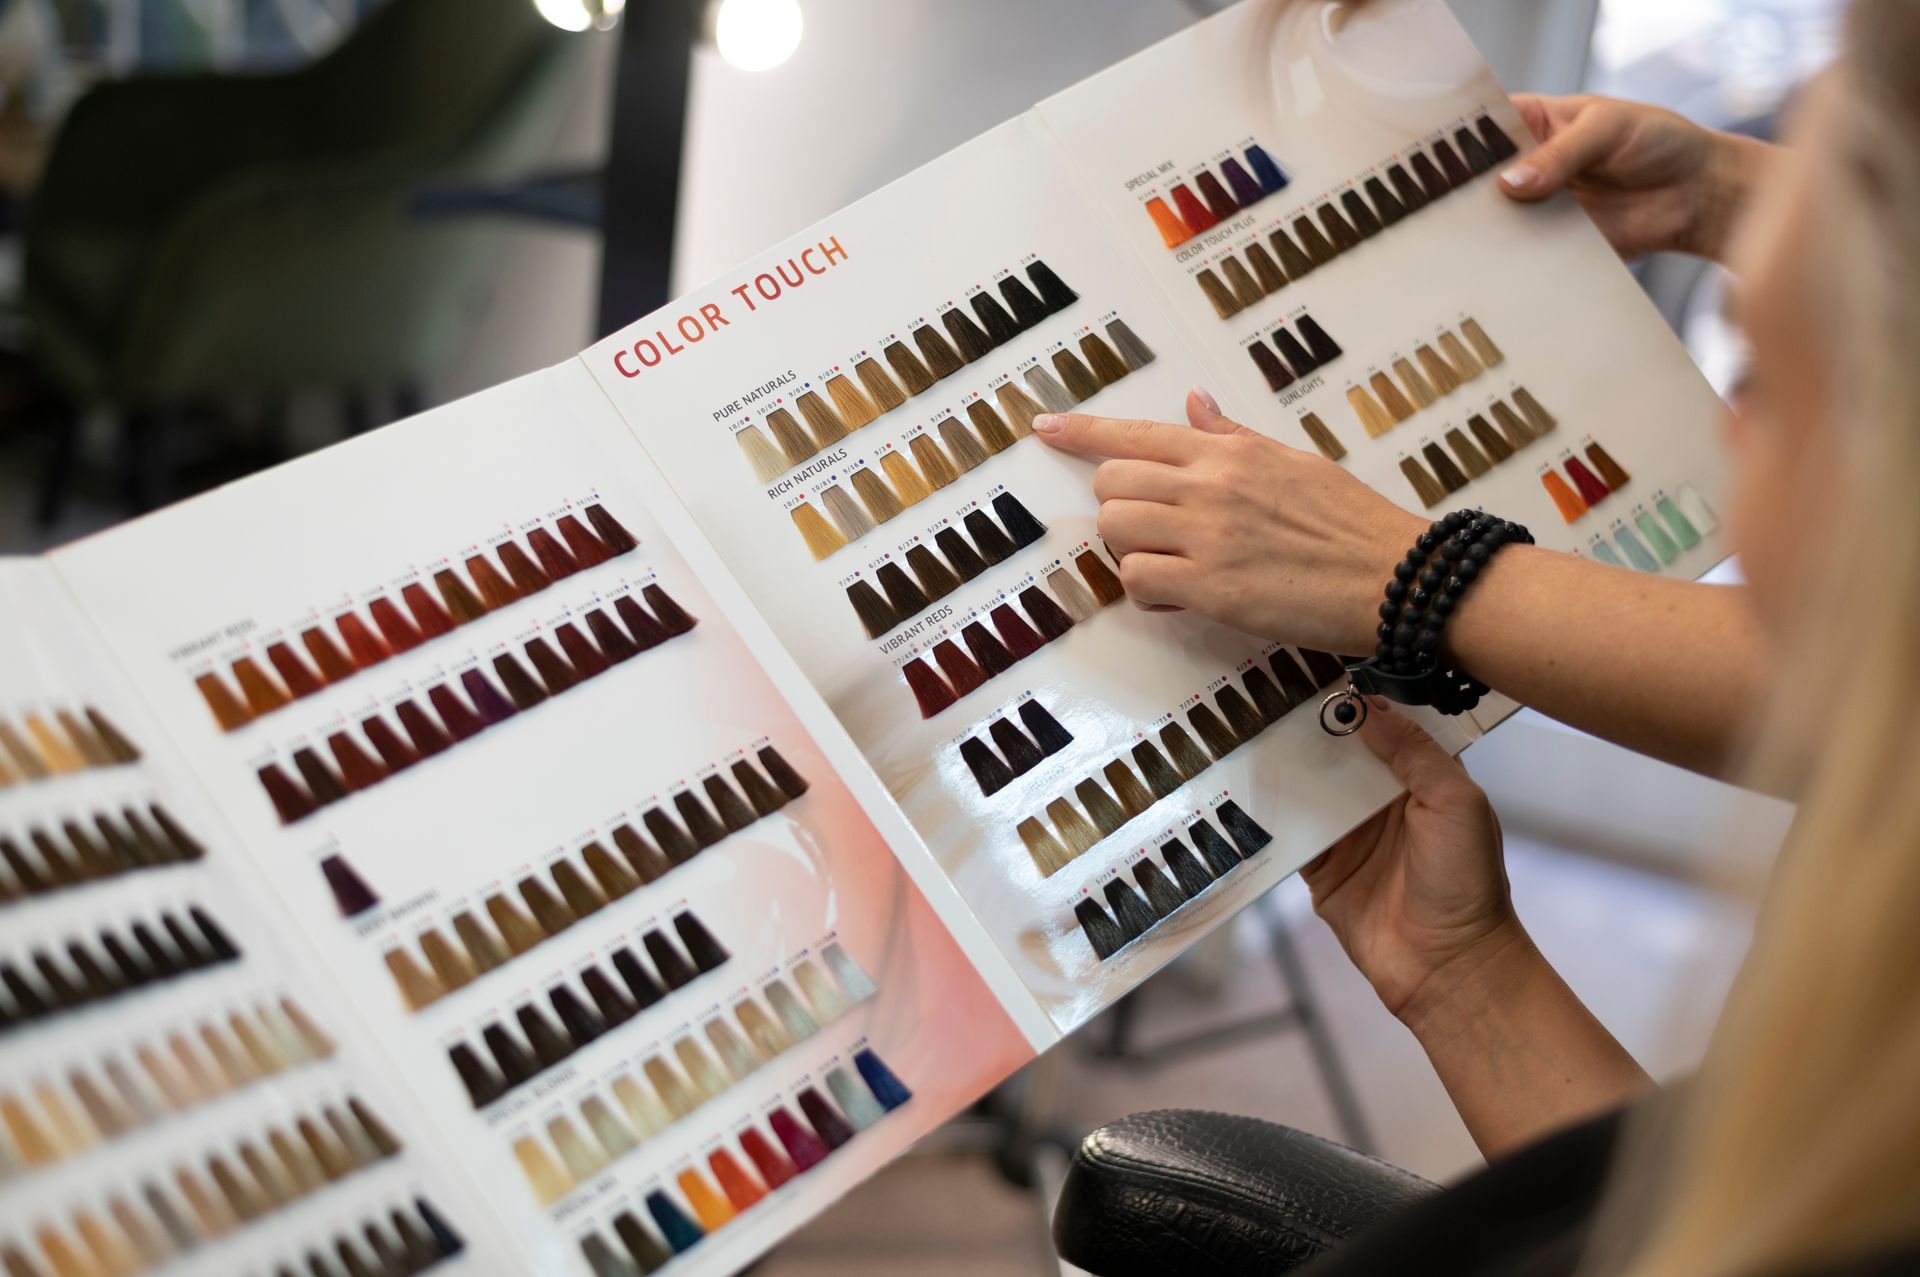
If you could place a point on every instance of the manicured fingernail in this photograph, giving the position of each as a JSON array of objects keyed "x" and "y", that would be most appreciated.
[
  {"x": 1520, "y": 176},
  {"x": 1048, "y": 423},
  {"x": 1206, "y": 400}
]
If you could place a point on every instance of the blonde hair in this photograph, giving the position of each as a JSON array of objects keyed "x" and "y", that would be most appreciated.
[{"x": 1800, "y": 1140}]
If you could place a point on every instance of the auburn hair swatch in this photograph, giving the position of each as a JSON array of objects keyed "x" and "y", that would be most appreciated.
[
  {"x": 953, "y": 446},
  {"x": 1232, "y": 283},
  {"x": 426, "y": 616},
  {"x": 1160, "y": 887},
  {"x": 478, "y": 704}
]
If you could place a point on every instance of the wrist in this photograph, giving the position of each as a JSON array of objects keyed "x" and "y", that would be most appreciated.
[
  {"x": 1735, "y": 167},
  {"x": 1395, "y": 531},
  {"x": 1478, "y": 977}
]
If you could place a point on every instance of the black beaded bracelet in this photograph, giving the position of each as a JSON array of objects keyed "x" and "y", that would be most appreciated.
[{"x": 1426, "y": 588}]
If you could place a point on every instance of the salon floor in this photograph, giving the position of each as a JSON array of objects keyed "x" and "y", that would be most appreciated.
[{"x": 1650, "y": 953}]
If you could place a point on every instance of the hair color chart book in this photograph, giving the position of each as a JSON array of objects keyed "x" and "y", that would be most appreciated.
[
  {"x": 178, "y": 1085},
  {"x": 846, "y": 417},
  {"x": 589, "y": 827},
  {"x": 648, "y": 968}
]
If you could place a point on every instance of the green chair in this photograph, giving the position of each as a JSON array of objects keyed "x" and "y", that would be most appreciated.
[{"x": 211, "y": 239}]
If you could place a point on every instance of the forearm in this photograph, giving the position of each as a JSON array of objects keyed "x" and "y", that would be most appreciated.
[
  {"x": 1739, "y": 166},
  {"x": 1518, "y": 1052},
  {"x": 1666, "y": 668}
]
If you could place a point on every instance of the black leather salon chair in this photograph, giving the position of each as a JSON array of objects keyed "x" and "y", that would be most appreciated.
[{"x": 1181, "y": 1193}]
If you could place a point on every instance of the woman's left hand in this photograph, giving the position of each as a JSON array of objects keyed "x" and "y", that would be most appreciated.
[{"x": 1223, "y": 521}]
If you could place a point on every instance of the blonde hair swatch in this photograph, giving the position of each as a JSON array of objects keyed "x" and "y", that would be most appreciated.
[
  {"x": 1073, "y": 596},
  {"x": 1518, "y": 433},
  {"x": 1398, "y": 406},
  {"x": 846, "y": 515},
  {"x": 884, "y": 390},
  {"x": 935, "y": 465},
  {"x": 1482, "y": 344},
  {"x": 793, "y": 440},
  {"x": 1419, "y": 387},
  {"x": 1538, "y": 418},
  {"x": 825, "y": 424},
  {"x": 1439, "y": 371},
  {"x": 851, "y": 402},
  {"x": 1048, "y": 855},
  {"x": 1019, "y": 408},
  {"x": 1047, "y": 388},
  {"x": 766, "y": 460},
  {"x": 993, "y": 431},
  {"x": 1462, "y": 359},
  {"x": 1373, "y": 418},
  {"x": 1075, "y": 830},
  {"x": 905, "y": 479},
  {"x": 821, "y": 537},
  {"x": 961, "y": 445},
  {"x": 876, "y": 495}
]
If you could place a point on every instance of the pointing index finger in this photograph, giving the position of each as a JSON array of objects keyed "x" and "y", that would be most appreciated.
[{"x": 1137, "y": 440}]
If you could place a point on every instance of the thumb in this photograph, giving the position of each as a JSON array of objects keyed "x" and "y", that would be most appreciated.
[
  {"x": 1204, "y": 414},
  {"x": 1577, "y": 146},
  {"x": 1417, "y": 760}
]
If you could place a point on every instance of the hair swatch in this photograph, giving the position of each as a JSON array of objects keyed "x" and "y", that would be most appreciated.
[
  {"x": 1129, "y": 914},
  {"x": 1322, "y": 438},
  {"x": 79, "y": 853}
]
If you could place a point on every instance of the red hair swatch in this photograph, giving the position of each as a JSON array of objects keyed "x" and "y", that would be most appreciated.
[
  {"x": 772, "y": 1164},
  {"x": 400, "y": 633},
  {"x": 294, "y": 672},
  {"x": 427, "y": 736},
  {"x": 357, "y": 767},
  {"x": 495, "y": 590},
  {"x": 802, "y": 1145},
  {"x": 552, "y": 555},
  {"x": 585, "y": 546},
  {"x": 646, "y": 631},
  {"x": 960, "y": 669},
  {"x": 992, "y": 654},
  {"x": 226, "y": 707},
  {"x": 928, "y": 688},
  {"x": 326, "y": 654},
  {"x": 554, "y": 671},
  {"x": 455, "y": 715},
  {"x": 427, "y": 612},
  {"x": 394, "y": 752},
  {"x": 1192, "y": 211},
  {"x": 362, "y": 644},
  {"x": 527, "y": 576},
  {"x": 290, "y": 802},
  {"x": 581, "y": 653},
  {"x": 1019, "y": 637},
  {"x": 671, "y": 614},
  {"x": 1592, "y": 491},
  {"x": 616, "y": 537}
]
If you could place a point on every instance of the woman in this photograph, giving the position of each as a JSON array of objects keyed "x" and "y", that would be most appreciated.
[{"x": 1797, "y": 1149}]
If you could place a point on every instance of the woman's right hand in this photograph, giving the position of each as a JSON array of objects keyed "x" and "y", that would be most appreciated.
[
  {"x": 1418, "y": 894},
  {"x": 1652, "y": 180}
]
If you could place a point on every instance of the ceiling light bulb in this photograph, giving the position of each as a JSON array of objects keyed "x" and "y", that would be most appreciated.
[
  {"x": 757, "y": 35},
  {"x": 578, "y": 15}
]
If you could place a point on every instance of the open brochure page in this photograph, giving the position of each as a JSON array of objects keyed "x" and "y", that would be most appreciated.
[{"x": 644, "y": 964}]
